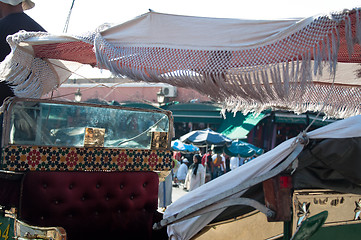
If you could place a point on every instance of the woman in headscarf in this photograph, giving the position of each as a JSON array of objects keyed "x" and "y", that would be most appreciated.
[{"x": 196, "y": 174}]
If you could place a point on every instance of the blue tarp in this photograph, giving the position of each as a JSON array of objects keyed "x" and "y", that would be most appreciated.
[
  {"x": 243, "y": 149},
  {"x": 177, "y": 145}
]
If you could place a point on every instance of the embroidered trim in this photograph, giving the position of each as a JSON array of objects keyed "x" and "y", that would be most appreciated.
[{"x": 24, "y": 158}]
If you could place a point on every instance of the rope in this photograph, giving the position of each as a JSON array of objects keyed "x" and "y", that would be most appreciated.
[
  {"x": 324, "y": 103},
  {"x": 65, "y": 30},
  {"x": 113, "y": 88}
]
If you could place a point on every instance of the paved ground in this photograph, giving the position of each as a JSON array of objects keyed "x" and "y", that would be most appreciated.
[{"x": 177, "y": 192}]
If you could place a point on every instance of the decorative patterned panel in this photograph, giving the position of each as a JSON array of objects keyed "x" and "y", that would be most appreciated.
[
  {"x": 36, "y": 158},
  {"x": 342, "y": 208}
]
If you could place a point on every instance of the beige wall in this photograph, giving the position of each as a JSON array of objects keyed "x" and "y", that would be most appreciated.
[
  {"x": 254, "y": 226},
  {"x": 129, "y": 92}
]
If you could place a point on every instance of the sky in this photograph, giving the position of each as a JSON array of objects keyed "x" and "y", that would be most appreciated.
[{"x": 87, "y": 15}]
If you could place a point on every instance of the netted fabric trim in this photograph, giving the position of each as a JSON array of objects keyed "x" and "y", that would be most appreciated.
[
  {"x": 29, "y": 77},
  {"x": 278, "y": 74},
  {"x": 264, "y": 76},
  {"x": 334, "y": 101}
]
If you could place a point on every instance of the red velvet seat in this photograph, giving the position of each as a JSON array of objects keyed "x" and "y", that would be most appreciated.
[
  {"x": 92, "y": 205},
  {"x": 10, "y": 185}
]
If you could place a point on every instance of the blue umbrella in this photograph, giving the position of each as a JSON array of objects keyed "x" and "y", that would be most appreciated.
[
  {"x": 243, "y": 149},
  {"x": 206, "y": 137},
  {"x": 182, "y": 147}
]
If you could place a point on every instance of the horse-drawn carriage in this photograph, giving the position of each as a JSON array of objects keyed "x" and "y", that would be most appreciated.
[
  {"x": 90, "y": 171},
  {"x": 248, "y": 66}
]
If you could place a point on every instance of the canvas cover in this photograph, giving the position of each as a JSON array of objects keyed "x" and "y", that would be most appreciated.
[
  {"x": 330, "y": 164},
  {"x": 302, "y": 65},
  {"x": 214, "y": 192}
]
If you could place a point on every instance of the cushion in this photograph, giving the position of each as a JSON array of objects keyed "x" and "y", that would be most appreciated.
[{"x": 92, "y": 205}]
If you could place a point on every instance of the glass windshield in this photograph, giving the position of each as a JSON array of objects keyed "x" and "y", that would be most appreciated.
[{"x": 54, "y": 124}]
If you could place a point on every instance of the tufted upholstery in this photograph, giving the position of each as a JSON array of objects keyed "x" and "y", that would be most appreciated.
[{"x": 92, "y": 205}]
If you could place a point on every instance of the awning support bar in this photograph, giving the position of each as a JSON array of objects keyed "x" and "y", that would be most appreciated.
[
  {"x": 245, "y": 185},
  {"x": 224, "y": 204}
]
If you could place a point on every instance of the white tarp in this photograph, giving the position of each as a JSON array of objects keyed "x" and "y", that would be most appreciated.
[
  {"x": 185, "y": 32},
  {"x": 248, "y": 65},
  {"x": 347, "y": 128}
]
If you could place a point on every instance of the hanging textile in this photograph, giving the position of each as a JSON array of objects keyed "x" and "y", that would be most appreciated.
[{"x": 248, "y": 65}]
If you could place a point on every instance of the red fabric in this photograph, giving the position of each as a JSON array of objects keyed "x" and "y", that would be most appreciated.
[
  {"x": 204, "y": 159},
  {"x": 65, "y": 51},
  {"x": 177, "y": 156},
  {"x": 285, "y": 182},
  {"x": 343, "y": 55},
  {"x": 92, "y": 205}
]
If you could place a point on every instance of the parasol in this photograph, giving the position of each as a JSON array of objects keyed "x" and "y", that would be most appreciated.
[
  {"x": 205, "y": 137},
  {"x": 242, "y": 149},
  {"x": 177, "y": 145}
]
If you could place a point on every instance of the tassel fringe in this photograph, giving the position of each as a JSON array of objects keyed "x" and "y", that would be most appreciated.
[
  {"x": 279, "y": 75},
  {"x": 29, "y": 77}
]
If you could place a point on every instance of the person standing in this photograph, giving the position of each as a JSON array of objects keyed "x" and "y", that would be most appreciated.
[
  {"x": 196, "y": 174},
  {"x": 12, "y": 20},
  {"x": 208, "y": 164},
  {"x": 219, "y": 165},
  {"x": 234, "y": 162},
  {"x": 165, "y": 192},
  {"x": 227, "y": 162}
]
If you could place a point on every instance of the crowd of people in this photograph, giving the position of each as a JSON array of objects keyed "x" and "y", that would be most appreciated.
[
  {"x": 196, "y": 169},
  {"x": 191, "y": 170}
]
